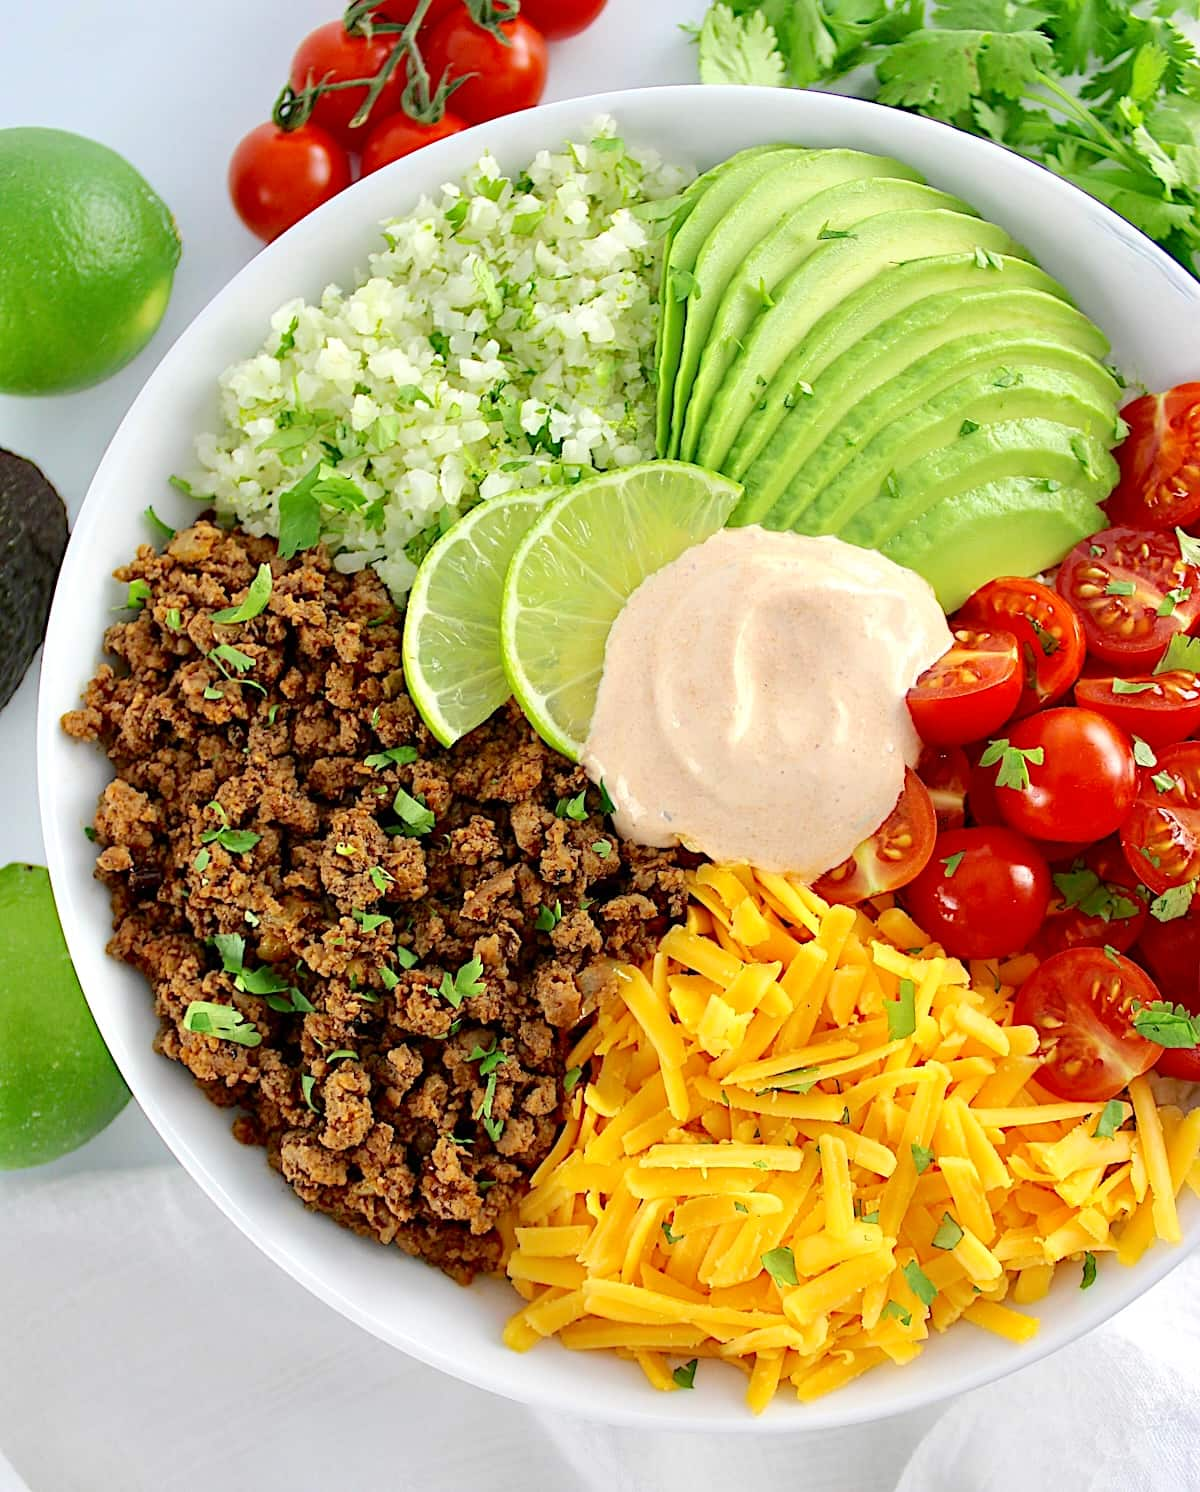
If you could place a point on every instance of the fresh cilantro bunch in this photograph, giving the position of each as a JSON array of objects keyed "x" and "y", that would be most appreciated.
[{"x": 1105, "y": 93}]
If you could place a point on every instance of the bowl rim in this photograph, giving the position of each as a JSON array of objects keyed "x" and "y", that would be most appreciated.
[{"x": 61, "y": 654}]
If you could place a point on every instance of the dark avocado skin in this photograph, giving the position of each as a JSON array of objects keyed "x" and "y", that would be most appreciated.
[{"x": 33, "y": 536}]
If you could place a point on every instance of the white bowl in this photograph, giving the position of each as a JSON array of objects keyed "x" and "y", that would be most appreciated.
[{"x": 1150, "y": 308}]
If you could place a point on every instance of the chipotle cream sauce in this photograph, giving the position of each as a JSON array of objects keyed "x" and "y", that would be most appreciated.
[{"x": 752, "y": 704}]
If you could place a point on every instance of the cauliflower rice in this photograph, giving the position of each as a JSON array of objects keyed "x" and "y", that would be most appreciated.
[{"x": 503, "y": 339}]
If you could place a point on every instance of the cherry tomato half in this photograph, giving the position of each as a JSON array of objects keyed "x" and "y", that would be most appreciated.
[
  {"x": 399, "y": 136},
  {"x": 1133, "y": 591},
  {"x": 1160, "y": 708},
  {"x": 1045, "y": 626},
  {"x": 1160, "y": 460},
  {"x": 892, "y": 856},
  {"x": 1096, "y": 904},
  {"x": 276, "y": 177},
  {"x": 970, "y": 691},
  {"x": 1082, "y": 778},
  {"x": 500, "y": 78},
  {"x": 945, "y": 771},
  {"x": 330, "y": 54},
  {"x": 1161, "y": 836},
  {"x": 556, "y": 19},
  {"x": 983, "y": 893},
  {"x": 1081, "y": 1003}
]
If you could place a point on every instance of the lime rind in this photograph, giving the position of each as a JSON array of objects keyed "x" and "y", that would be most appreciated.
[
  {"x": 575, "y": 568},
  {"x": 451, "y": 649}
]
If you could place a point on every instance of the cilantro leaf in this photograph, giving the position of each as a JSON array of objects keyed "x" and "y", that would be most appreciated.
[
  {"x": 949, "y": 1234},
  {"x": 573, "y": 808},
  {"x": 1088, "y": 1277},
  {"x": 901, "y": 1314},
  {"x": 952, "y": 862},
  {"x": 1112, "y": 1116},
  {"x": 412, "y": 813},
  {"x": 467, "y": 982},
  {"x": 254, "y": 602},
  {"x": 780, "y": 1264},
  {"x": 1183, "y": 652},
  {"x": 919, "y": 1282},
  {"x": 394, "y": 756},
  {"x": 1169, "y": 1025},
  {"x": 901, "y": 1012},
  {"x": 223, "y": 1021},
  {"x": 1175, "y": 902},
  {"x": 685, "y": 1377},
  {"x": 922, "y": 1158},
  {"x": 1014, "y": 763},
  {"x": 739, "y": 49}
]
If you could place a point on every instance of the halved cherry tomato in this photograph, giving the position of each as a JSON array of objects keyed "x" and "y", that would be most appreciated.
[
  {"x": 1082, "y": 778},
  {"x": 1161, "y": 836},
  {"x": 1045, "y": 626},
  {"x": 1081, "y": 1003},
  {"x": 893, "y": 855},
  {"x": 1096, "y": 904},
  {"x": 1160, "y": 708},
  {"x": 330, "y": 54},
  {"x": 945, "y": 771},
  {"x": 971, "y": 690},
  {"x": 398, "y": 136},
  {"x": 983, "y": 894},
  {"x": 1160, "y": 460},
  {"x": 1133, "y": 591}
]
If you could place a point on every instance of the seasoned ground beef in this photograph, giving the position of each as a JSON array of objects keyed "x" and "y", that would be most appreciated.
[{"x": 411, "y": 932}]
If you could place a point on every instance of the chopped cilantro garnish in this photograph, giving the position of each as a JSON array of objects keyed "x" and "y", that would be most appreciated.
[
  {"x": 901, "y": 1012},
  {"x": 1088, "y": 1277},
  {"x": 225, "y": 652},
  {"x": 949, "y": 1235},
  {"x": 894, "y": 1309},
  {"x": 1172, "y": 599},
  {"x": 1163, "y": 781},
  {"x": 394, "y": 756},
  {"x": 1174, "y": 903},
  {"x": 271, "y": 713},
  {"x": 1143, "y": 753},
  {"x": 668, "y": 1235},
  {"x": 369, "y": 921},
  {"x": 287, "y": 339},
  {"x": 798, "y": 1080},
  {"x": 571, "y": 1078},
  {"x": 548, "y": 918},
  {"x": 1130, "y": 686},
  {"x": 489, "y": 1058},
  {"x": 602, "y": 847},
  {"x": 406, "y": 958},
  {"x": 1119, "y": 588},
  {"x": 415, "y": 817},
  {"x": 181, "y": 484},
  {"x": 919, "y": 1282},
  {"x": 202, "y": 861},
  {"x": 1112, "y": 1116},
  {"x": 137, "y": 595},
  {"x": 380, "y": 879},
  {"x": 467, "y": 982},
  {"x": 1183, "y": 654},
  {"x": 952, "y": 862},
  {"x": 389, "y": 977},
  {"x": 307, "y": 1084},
  {"x": 232, "y": 841},
  {"x": 780, "y": 1264},
  {"x": 1083, "y": 888},
  {"x": 163, "y": 530},
  {"x": 1014, "y": 763},
  {"x": 1189, "y": 548},
  {"x": 232, "y": 950},
  {"x": 1169, "y": 1025},
  {"x": 89, "y": 833},
  {"x": 871, "y": 1217},
  {"x": 922, "y": 1158},
  {"x": 685, "y": 1377},
  {"x": 252, "y": 605},
  {"x": 573, "y": 808},
  {"x": 174, "y": 620},
  {"x": 968, "y": 427},
  {"x": 224, "y": 1021}
]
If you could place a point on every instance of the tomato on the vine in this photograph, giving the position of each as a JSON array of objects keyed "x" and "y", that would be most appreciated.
[
  {"x": 1096, "y": 903},
  {"x": 946, "y": 772},
  {"x": 1160, "y": 708},
  {"x": 1133, "y": 591},
  {"x": 1045, "y": 626},
  {"x": 1161, "y": 836},
  {"x": 331, "y": 54},
  {"x": 276, "y": 176},
  {"x": 1081, "y": 1004},
  {"x": 892, "y": 856},
  {"x": 398, "y": 136},
  {"x": 983, "y": 893},
  {"x": 501, "y": 76},
  {"x": 402, "y": 11},
  {"x": 1064, "y": 774},
  {"x": 558, "y": 18},
  {"x": 971, "y": 690},
  {"x": 1160, "y": 460}
]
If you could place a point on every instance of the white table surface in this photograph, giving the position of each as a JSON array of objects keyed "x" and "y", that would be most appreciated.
[{"x": 172, "y": 85}]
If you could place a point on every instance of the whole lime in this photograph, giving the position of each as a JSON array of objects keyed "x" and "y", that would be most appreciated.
[
  {"x": 87, "y": 255},
  {"x": 58, "y": 1085}
]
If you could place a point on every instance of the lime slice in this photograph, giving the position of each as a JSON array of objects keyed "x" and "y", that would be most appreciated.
[
  {"x": 452, "y": 625},
  {"x": 575, "y": 569}
]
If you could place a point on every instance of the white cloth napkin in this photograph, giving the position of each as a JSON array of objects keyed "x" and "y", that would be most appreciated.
[{"x": 145, "y": 1346}]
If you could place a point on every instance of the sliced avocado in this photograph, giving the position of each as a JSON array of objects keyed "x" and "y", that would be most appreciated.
[
  {"x": 706, "y": 202},
  {"x": 749, "y": 294},
  {"x": 901, "y": 366},
  {"x": 1013, "y": 527},
  {"x": 893, "y": 290},
  {"x": 984, "y": 399},
  {"x": 773, "y": 203},
  {"x": 826, "y": 277},
  {"x": 1032, "y": 450}
]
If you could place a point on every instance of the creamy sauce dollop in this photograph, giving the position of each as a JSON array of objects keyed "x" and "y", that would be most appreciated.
[{"x": 752, "y": 704}]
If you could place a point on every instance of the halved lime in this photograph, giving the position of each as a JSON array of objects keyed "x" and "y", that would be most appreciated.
[
  {"x": 452, "y": 626},
  {"x": 575, "y": 569}
]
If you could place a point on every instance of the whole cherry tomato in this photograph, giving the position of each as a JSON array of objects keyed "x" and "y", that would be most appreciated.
[
  {"x": 983, "y": 893},
  {"x": 330, "y": 54},
  {"x": 1045, "y": 626},
  {"x": 399, "y": 136},
  {"x": 1064, "y": 774},
  {"x": 892, "y": 856},
  {"x": 276, "y": 176},
  {"x": 970, "y": 691},
  {"x": 558, "y": 18},
  {"x": 502, "y": 76},
  {"x": 1081, "y": 1003},
  {"x": 1160, "y": 461},
  {"x": 1171, "y": 952},
  {"x": 1096, "y": 903}
]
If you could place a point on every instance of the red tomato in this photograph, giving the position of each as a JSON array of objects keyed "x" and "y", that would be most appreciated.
[
  {"x": 1045, "y": 626},
  {"x": 945, "y": 771},
  {"x": 402, "y": 11},
  {"x": 558, "y": 18},
  {"x": 331, "y": 55},
  {"x": 1171, "y": 952},
  {"x": 983, "y": 893},
  {"x": 1096, "y": 904},
  {"x": 1133, "y": 592},
  {"x": 276, "y": 177},
  {"x": 1081, "y": 1003},
  {"x": 1161, "y": 836},
  {"x": 895, "y": 853},
  {"x": 1084, "y": 783},
  {"x": 1160, "y": 708},
  {"x": 1160, "y": 460},
  {"x": 983, "y": 806},
  {"x": 970, "y": 691},
  {"x": 399, "y": 136},
  {"x": 500, "y": 78}
]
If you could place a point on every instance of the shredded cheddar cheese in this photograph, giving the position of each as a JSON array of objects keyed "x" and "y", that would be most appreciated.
[{"x": 810, "y": 1137}]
